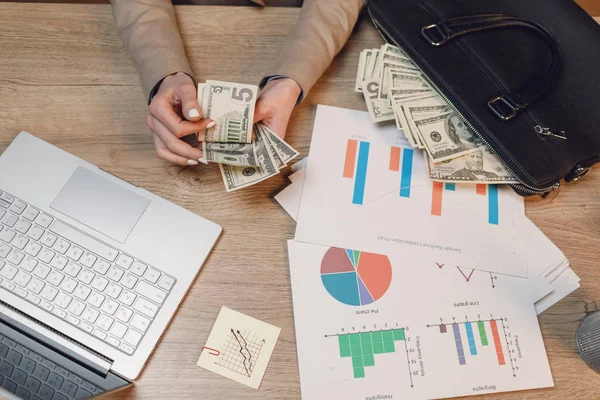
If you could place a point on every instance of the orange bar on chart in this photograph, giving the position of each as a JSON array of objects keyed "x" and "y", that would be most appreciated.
[
  {"x": 481, "y": 189},
  {"x": 350, "y": 159},
  {"x": 436, "y": 199},
  {"x": 497, "y": 343},
  {"x": 395, "y": 159}
]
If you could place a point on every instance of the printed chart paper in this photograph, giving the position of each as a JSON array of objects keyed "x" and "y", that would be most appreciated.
[
  {"x": 239, "y": 347},
  {"x": 371, "y": 326},
  {"x": 367, "y": 188}
]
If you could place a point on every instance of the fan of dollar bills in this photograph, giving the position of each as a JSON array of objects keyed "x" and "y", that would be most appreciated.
[
  {"x": 242, "y": 160},
  {"x": 395, "y": 89}
]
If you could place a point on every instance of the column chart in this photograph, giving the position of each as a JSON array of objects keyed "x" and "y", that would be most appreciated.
[{"x": 464, "y": 335}]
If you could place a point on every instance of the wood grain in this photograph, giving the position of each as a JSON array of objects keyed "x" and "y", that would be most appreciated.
[
  {"x": 591, "y": 6},
  {"x": 66, "y": 78}
]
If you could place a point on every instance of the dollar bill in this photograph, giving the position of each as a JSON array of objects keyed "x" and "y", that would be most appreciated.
[
  {"x": 231, "y": 106},
  {"x": 419, "y": 108},
  {"x": 236, "y": 177},
  {"x": 240, "y": 154},
  {"x": 395, "y": 50},
  {"x": 270, "y": 146},
  {"x": 414, "y": 112},
  {"x": 201, "y": 87},
  {"x": 386, "y": 77},
  {"x": 379, "y": 109},
  {"x": 393, "y": 93},
  {"x": 371, "y": 65},
  {"x": 481, "y": 166},
  {"x": 374, "y": 73},
  {"x": 399, "y": 98},
  {"x": 447, "y": 136},
  {"x": 401, "y": 122},
  {"x": 392, "y": 58},
  {"x": 401, "y": 80},
  {"x": 286, "y": 152},
  {"x": 360, "y": 72}
]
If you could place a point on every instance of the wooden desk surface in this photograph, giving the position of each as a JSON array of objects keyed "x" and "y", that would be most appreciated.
[{"x": 66, "y": 78}]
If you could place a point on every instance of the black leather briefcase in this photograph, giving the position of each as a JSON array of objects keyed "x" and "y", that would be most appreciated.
[{"x": 523, "y": 74}]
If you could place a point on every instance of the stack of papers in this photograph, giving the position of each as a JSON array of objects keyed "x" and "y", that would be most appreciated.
[
  {"x": 548, "y": 271},
  {"x": 391, "y": 271}
]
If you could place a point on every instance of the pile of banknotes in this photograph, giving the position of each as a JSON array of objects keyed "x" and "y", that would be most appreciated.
[
  {"x": 396, "y": 90},
  {"x": 247, "y": 153}
]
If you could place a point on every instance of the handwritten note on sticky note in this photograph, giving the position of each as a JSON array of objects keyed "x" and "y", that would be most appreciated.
[{"x": 239, "y": 347}]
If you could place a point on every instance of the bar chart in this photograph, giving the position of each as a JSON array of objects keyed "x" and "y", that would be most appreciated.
[
  {"x": 403, "y": 164},
  {"x": 362, "y": 347},
  {"x": 491, "y": 191},
  {"x": 464, "y": 338},
  {"x": 356, "y": 168},
  {"x": 356, "y": 163},
  {"x": 401, "y": 159}
]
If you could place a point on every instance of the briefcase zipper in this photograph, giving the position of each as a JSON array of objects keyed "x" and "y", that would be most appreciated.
[
  {"x": 524, "y": 186},
  {"x": 550, "y": 132}
]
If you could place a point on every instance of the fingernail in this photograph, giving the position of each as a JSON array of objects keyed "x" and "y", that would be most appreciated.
[
  {"x": 193, "y": 113},
  {"x": 213, "y": 123},
  {"x": 203, "y": 161},
  {"x": 192, "y": 162}
]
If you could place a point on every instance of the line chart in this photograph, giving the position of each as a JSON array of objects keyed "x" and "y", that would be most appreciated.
[
  {"x": 469, "y": 275},
  {"x": 240, "y": 352}
]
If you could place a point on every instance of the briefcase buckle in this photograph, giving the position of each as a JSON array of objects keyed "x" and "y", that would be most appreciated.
[
  {"x": 503, "y": 107},
  {"x": 435, "y": 35},
  {"x": 577, "y": 173}
]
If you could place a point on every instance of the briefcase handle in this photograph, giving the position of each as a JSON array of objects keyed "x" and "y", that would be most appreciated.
[{"x": 505, "y": 106}]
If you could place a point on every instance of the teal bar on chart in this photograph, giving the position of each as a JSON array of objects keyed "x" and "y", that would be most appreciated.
[
  {"x": 361, "y": 173},
  {"x": 406, "y": 175},
  {"x": 471, "y": 339},
  {"x": 493, "y": 204}
]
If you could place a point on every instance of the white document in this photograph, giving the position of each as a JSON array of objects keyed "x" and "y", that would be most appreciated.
[
  {"x": 567, "y": 285},
  {"x": 542, "y": 255},
  {"x": 297, "y": 175},
  {"x": 367, "y": 189},
  {"x": 299, "y": 165},
  {"x": 239, "y": 347},
  {"x": 555, "y": 274},
  {"x": 370, "y": 326},
  {"x": 289, "y": 198}
]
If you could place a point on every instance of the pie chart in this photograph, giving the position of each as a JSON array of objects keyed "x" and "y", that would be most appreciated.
[{"x": 355, "y": 278}]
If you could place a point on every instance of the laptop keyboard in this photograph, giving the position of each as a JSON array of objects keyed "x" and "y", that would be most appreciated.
[
  {"x": 65, "y": 272},
  {"x": 30, "y": 376}
]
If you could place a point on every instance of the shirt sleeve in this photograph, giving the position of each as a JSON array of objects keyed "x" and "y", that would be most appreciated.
[
  {"x": 322, "y": 30},
  {"x": 268, "y": 79},
  {"x": 151, "y": 37}
]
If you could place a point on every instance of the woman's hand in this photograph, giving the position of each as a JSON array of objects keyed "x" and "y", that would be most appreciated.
[
  {"x": 174, "y": 113},
  {"x": 276, "y": 103}
]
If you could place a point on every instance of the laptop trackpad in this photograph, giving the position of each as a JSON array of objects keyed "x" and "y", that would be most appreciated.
[{"x": 100, "y": 204}]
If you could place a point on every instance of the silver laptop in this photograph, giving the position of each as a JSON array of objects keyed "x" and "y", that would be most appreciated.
[{"x": 92, "y": 269}]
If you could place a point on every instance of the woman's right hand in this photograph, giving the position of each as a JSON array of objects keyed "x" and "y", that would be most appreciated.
[{"x": 174, "y": 113}]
